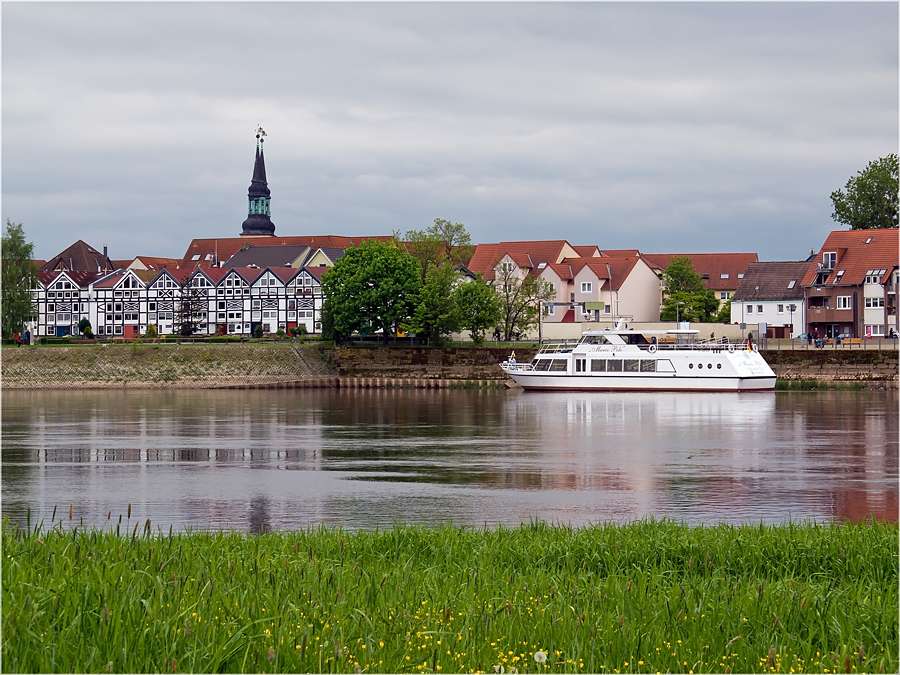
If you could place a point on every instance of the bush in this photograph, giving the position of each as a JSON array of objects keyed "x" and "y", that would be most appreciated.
[
  {"x": 258, "y": 332},
  {"x": 219, "y": 339}
]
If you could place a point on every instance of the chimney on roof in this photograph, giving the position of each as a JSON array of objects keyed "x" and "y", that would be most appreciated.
[{"x": 104, "y": 251}]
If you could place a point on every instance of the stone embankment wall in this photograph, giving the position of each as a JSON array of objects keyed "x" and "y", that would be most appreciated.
[
  {"x": 159, "y": 366},
  {"x": 468, "y": 363},
  {"x": 279, "y": 366},
  {"x": 878, "y": 367}
]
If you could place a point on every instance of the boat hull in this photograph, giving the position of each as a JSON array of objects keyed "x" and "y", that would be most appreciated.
[{"x": 662, "y": 382}]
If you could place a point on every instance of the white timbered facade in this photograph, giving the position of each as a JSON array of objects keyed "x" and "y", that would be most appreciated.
[{"x": 233, "y": 301}]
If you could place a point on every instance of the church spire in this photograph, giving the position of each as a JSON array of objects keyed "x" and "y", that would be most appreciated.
[{"x": 259, "y": 221}]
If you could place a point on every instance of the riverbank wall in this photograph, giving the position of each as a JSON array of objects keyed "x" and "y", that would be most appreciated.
[{"x": 288, "y": 366}]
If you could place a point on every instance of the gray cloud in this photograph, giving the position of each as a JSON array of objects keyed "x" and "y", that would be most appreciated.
[{"x": 665, "y": 127}]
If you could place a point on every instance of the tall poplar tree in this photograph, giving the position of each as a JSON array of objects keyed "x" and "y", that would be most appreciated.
[{"x": 19, "y": 277}]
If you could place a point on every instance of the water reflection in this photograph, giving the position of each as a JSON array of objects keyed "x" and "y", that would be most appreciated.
[{"x": 262, "y": 460}]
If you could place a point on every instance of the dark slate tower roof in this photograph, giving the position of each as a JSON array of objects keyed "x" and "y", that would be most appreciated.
[{"x": 259, "y": 222}]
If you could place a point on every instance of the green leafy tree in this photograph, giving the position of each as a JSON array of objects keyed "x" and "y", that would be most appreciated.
[
  {"x": 520, "y": 300},
  {"x": 375, "y": 284},
  {"x": 479, "y": 308},
  {"x": 19, "y": 277},
  {"x": 680, "y": 276},
  {"x": 687, "y": 298},
  {"x": 869, "y": 199},
  {"x": 436, "y": 314},
  {"x": 443, "y": 242},
  {"x": 724, "y": 313}
]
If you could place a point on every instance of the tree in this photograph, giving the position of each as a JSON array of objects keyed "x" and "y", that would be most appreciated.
[
  {"x": 724, "y": 313},
  {"x": 869, "y": 199},
  {"x": 520, "y": 300},
  {"x": 680, "y": 276},
  {"x": 436, "y": 314},
  {"x": 19, "y": 277},
  {"x": 373, "y": 286},
  {"x": 478, "y": 306},
  {"x": 441, "y": 243},
  {"x": 686, "y": 299},
  {"x": 192, "y": 308}
]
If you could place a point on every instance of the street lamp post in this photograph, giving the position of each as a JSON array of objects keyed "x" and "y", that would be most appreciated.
[{"x": 792, "y": 308}]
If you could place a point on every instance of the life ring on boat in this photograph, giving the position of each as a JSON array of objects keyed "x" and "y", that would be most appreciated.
[
  {"x": 652, "y": 349},
  {"x": 731, "y": 347}
]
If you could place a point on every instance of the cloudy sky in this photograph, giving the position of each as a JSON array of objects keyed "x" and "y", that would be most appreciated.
[{"x": 665, "y": 127}]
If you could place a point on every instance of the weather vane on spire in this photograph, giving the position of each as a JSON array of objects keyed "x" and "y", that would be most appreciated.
[{"x": 260, "y": 134}]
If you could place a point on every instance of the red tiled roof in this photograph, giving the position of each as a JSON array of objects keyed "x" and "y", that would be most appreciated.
[
  {"x": 712, "y": 265},
  {"x": 110, "y": 280},
  {"x": 619, "y": 252},
  {"x": 157, "y": 263},
  {"x": 317, "y": 272},
  {"x": 855, "y": 256},
  {"x": 617, "y": 268},
  {"x": 80, "y": 279},
  {"x": 284, "y": 273},
  {"x": 80, "y": 256},
  {"x": 587, "y": 251},
  {"x": 526, "y": 254},
  {"x": 225, "y": 247}
]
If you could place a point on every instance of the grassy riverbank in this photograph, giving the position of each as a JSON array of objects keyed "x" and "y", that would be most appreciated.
[{"x": 645, "y": 597}]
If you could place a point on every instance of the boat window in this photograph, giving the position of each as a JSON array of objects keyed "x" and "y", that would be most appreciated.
[
  {"x": 598, "y": 365},
  {"x": 648, "y": 366},
  {"x": 614, "y": 366},
  {"x": 595, "y": 340},
  {"x": 635, "y": 339},
  {"x": 664, "y": 366},
  {"x": 559, "y": 365},
  {"x": 542, "y": 364},
  {"x": 631, "y": 365}
]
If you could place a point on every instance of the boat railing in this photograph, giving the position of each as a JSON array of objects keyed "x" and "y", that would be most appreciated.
[
  {"x": 506, "y": 365},
  {"x": 558, "y": 346},
  {"x": 706, "y": 345}
]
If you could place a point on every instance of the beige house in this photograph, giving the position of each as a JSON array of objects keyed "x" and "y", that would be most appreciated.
[{"x": 603, "y": 289}]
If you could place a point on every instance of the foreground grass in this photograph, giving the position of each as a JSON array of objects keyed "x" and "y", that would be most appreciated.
[{"x": 645, "y": 597}]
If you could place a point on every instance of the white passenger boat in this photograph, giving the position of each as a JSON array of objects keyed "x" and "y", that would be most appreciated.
[{"x": 633, "y": 360}]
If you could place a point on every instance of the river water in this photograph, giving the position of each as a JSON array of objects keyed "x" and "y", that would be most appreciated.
[{"x": 261, "y": 460}]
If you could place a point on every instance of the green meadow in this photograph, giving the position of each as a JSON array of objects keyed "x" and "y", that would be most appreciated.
[{"x": 644, "y": 597}]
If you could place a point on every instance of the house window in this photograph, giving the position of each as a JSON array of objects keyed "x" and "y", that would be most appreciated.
[
  {"x": 843, "y": 302},
  {"x": 586, "y": 287},
  {"x": 724, "y": 276},
  {"x": 874, "y": 302},
  {"x": 781, "y": 309},
  {"x": 749, "y": 309},
  {"x": 759, "y": 309},
  {"x": 829, "y": 260},
  {"x": 723, "y": 295},
  {"x": 549, "y": 309}
]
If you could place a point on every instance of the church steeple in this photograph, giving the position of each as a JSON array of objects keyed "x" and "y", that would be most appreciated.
[{"x": 259, "y": 222}]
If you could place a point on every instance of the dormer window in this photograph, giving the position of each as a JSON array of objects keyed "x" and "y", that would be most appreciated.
[
  {"x": 791, "y": 283},
  {"x": 724, "y": 276},
  {"x": 829, "y": 260}
]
